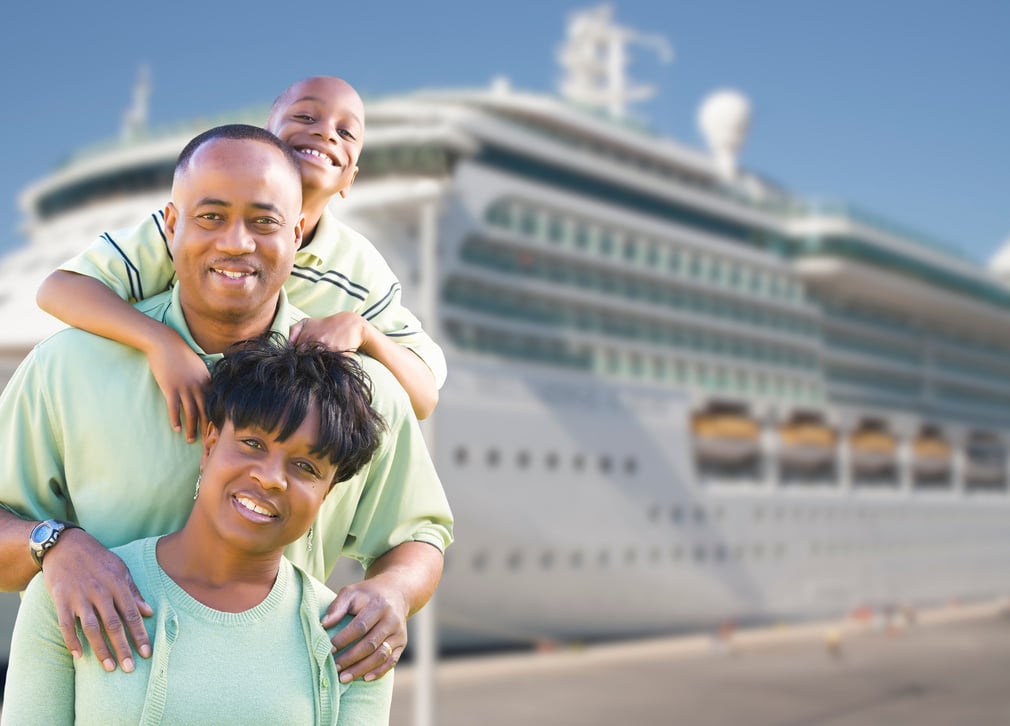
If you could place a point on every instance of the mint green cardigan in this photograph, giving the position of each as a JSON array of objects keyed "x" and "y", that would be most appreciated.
[{"x": 267, "y": 665}]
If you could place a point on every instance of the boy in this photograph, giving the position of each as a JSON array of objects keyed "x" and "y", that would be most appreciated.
[{"x": 339, "y": 278}]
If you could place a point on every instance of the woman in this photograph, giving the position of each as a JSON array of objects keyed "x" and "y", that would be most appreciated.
[{"x": 235, "y": 632}]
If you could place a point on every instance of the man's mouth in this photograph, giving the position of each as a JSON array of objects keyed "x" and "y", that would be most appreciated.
[{"x": 233, "y": 274}]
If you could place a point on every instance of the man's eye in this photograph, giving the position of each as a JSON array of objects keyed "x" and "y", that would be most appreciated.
[
  {"x": 211, "y": 216},
  {"x": 346, "y": 134},
  {"x": 303, "y": 117},
  {"x": 265, "y": 221},
  {"x": 253, "y": 443}
]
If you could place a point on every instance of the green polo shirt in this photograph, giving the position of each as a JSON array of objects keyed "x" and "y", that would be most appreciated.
[
  {"x": 339, "y": 271},
  {"x": 85, "y": 437}
]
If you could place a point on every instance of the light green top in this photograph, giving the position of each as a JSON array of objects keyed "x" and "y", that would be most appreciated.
[
  {"x": 268, "y": 665},
  {"x": 85, "y": 437},
  {"x": 338, "y": 271}
]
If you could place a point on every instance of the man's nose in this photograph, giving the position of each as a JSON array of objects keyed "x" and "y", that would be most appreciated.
[{"x": 237, "y": 239}]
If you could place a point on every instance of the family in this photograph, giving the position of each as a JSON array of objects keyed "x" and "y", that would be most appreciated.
[{"x": 236, "y": 407}]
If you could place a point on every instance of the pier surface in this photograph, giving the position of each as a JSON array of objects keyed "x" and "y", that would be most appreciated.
[{"x": 947, "y": 667}]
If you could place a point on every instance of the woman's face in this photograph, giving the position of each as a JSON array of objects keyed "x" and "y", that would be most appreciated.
[{"x": 262, "y": 494}]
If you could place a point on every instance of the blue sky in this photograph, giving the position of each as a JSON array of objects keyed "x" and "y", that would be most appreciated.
[{"x": 901, "y": 107}]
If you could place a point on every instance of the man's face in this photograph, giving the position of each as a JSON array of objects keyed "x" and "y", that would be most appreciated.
[
  {"x": 234, "y": 225},
  {"x": 323, "y": 119}
]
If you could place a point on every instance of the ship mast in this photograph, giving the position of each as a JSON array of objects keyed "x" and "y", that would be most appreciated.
[
  {"x": 595, "y": 58},
  {"x": 135, "y": 117}
]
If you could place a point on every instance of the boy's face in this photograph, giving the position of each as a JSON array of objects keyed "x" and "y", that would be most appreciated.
[{"x": 323, "y": 119}]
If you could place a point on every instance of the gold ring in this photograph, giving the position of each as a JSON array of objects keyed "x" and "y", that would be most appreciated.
[{"x": 388, "y": 648}]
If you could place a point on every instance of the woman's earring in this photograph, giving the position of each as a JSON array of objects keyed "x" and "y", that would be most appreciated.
[
  {"x": 309, "y": 537},
  {"x": 197, "y": 492}
]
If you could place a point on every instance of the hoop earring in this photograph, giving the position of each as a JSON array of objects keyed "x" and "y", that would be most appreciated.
[{"x": 197, "y": 492}]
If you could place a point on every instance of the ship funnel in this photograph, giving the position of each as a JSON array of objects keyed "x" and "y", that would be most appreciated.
[{"x": 724, "y": 118}]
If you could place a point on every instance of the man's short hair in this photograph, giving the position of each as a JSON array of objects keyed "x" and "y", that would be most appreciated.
[
  {"x": 273, "y": 384},
  {"x": 237, "y": 132}
]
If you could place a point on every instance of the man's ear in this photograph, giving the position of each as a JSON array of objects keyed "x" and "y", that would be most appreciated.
[
  {"x": 343, "y": 192},
  {"x": 171, "y": 217},
  {"x": 299, "y": 231}
]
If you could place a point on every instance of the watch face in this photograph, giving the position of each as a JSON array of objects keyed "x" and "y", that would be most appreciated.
[{"x": 41, "y": 533}]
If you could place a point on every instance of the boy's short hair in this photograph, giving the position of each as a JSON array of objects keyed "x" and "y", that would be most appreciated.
[
  {"x": 273, "y": 384},
  {"x": 237, "y": 132}
]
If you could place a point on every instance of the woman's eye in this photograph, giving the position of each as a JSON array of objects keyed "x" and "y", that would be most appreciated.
[
  {"x": 303, "y": 117},
  {"x": 346, "y": 134},
  {"x": 252, "y": 443},
  {"x": 307, "y": 468}
]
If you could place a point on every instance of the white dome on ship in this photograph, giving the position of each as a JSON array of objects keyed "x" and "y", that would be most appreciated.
[
  {"x": 724, "y": 118},
  {"x": 999, "y": 264}
]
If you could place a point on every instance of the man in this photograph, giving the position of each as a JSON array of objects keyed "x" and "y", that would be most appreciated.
[{"x": 86, "y": 440}]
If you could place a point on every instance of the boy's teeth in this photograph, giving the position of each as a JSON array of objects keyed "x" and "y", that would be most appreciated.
[{"x": 317, "y": 154}]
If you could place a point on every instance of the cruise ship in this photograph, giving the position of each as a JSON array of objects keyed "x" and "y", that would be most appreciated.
[{"x": 679, "y": 395}]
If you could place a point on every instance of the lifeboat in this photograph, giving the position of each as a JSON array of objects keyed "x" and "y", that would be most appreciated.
[
  {"x": 873, "y": 450},
  {"x": 727, "y": 441},
  {"x": 807, "y": 445}
]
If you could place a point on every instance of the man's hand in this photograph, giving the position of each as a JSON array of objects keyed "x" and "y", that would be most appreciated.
[
  {"x": 182, "y": 376},
  {"x": 90, "y": 584},
  {"x": 340, "y": 332},
  {"x": 379, "y": 626}
]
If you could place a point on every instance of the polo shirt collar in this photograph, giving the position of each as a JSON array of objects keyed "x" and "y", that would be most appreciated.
[
  {"x": 325, "y": 245},
  {"x": 175, "y": 319}
]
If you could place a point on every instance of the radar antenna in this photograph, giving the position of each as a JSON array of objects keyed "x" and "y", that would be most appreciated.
[
  {"x": 595, "y": 58},
  {"x": 135, "y": 117}
]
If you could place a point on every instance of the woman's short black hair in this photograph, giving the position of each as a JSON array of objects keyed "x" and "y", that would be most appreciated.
[{"x": 273, "y": 385}]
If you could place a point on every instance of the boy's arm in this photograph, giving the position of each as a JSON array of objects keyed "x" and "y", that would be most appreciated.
[
  {"x": 86, "y": 303},
  {"x": 350, "y": 331}
]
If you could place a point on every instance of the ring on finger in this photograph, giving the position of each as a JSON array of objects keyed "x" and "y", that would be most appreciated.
[{"x": 387, "y": 648}]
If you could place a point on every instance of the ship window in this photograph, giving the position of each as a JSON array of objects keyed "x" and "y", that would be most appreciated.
[
  {"x": 579, "y": 462},
  {"x": 547, "y": 560},
  {"x": 699, "y": 553},
  {"x": 523, "y": 459},
  {"x": 461, "y": 456},
  {"x": 630, "y": 466},
  {"x": 676, "y": 553},
  {"x": 493, "y": 457},
  {"x": 630, "y": 555},
  {"x": 515, "y": 560},
  {"x": 480, "y": 561},
  {"x": 676, "y": 514},
  {"x": 606, "y": 243},
  {"x": 605, "y": 464},
  {"x": 603, "y": 559},
  {"x": 551, "y": 460}
]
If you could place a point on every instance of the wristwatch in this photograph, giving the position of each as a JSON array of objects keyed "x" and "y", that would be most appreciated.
[{"x": 44, "y": 536}]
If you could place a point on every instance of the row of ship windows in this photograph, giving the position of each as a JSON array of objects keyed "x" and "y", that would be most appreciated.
[
  {"x": 551, "y": 461},
  {"x": 522, "y": 308},
  {"x": 635, "y": 366},
  {"x": 517, "y": 560},
  {"x": 561, "y": 274},
  {"x": 886, "y": 321},
  {"x": 535, "y": 223}
]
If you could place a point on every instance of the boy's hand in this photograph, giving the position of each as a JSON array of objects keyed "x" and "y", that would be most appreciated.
[
  {"x": 375, "y": 638},
  {"x": 182, "y": 376},
  {"x": 340, "y": 332},
  {"x": 91, "y": 585}
]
